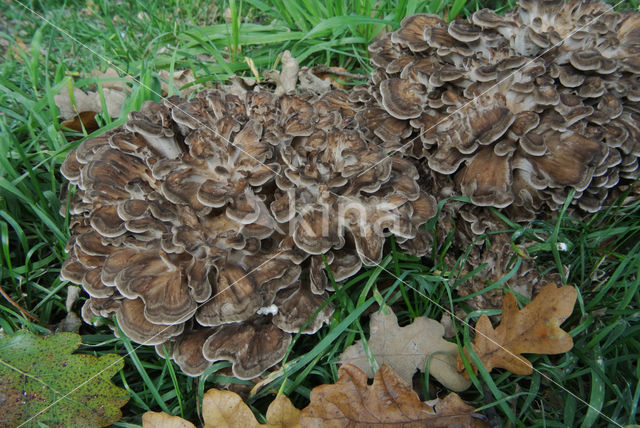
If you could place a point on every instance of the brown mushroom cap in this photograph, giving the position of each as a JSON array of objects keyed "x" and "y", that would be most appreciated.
[
  {"x": 252, "y": 346},
  {"x": 203, "y": 223},
  {"x": 297, "y": 307},
  {"x": 133, "y": 322},
  {"x": 186, "y": 351}
]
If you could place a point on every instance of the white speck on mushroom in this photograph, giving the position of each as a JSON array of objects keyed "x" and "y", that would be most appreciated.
[{"x": 268, "y": 310}]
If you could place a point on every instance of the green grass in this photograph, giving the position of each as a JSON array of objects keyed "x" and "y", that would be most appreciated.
[{"x": 141, "y": 38}]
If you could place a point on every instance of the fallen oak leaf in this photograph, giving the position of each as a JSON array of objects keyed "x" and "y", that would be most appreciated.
[
  {"x": 163, "y": 420},
  {"x": 534, "y": 329},
  {"x": 110, "y": 79},
  {"x": 225, "y": 409},
  {"x": 43, "y": 383},
  {"x": 72, "y": 101},
  {"x": 335, "y": 75},
  {"x": 88, "y": 102},
  {"x": 406, "y": 349},
  {"x": 388, "y": 402},
  {"x": 282, "y": 414}
]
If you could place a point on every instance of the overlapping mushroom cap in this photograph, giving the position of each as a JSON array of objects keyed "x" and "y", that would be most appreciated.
[
  {"x": 520, "y": 108},
  {"x": 204, "y": 225}
]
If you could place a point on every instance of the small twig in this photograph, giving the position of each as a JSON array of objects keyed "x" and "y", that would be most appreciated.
[
  {"x": 20, "y": 308},
  {"x": 337, "y": 72}
]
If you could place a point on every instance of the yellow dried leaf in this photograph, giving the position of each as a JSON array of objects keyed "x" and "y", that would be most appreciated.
[
  {"x": 281, "y": 413},
  {"x": 225, "y": 409},
  {"x": 163, "y": 420}
]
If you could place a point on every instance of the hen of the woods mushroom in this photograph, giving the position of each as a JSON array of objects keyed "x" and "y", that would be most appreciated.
[
  {"x": 515, "y": 112},
  {"x": 519, "y": 108},
  {"x": 205, "y": 225}
]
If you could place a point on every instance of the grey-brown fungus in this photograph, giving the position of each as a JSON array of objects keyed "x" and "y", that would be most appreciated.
[
  {"x": 204, "y": 226},
  {"x": 520, "y": 107}
]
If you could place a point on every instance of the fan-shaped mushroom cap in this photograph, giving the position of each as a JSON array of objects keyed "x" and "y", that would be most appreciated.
[
  {"x": 187, "y": 351},
  {"x": 297, "y": 309},
  {"x": 252, "y": 346},
  {"x": 519, "y": 107},
  {"x": 133, "y": 322},
  {"x": 245, "y": 285}
]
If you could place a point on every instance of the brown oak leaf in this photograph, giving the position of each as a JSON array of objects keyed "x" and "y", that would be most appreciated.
[
  {"x": 78, "y": 107},
  {"x": 534, "y": 329},
  {"x": 406, "y": 349},
  {"x": 389, "y": 402}
]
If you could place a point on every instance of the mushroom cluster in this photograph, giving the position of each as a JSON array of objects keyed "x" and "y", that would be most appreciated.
[
  {"x": 519, "y": 109},
  {"x": 205, "y": 225}
]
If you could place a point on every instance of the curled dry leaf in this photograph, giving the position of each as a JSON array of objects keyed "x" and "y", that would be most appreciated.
[
  {"x": 85, "y": 119},
  {"x": 534, "y": 329},
  {"x": 388, "y": 402},
  {"x": 163, "y": 420},
  {"x": 406, "y": 349},
  {"x": 225, "y": 409}
]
